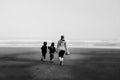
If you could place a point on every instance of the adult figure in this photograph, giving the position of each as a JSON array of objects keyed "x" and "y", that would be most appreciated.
[{"x": 61, "y": 49}]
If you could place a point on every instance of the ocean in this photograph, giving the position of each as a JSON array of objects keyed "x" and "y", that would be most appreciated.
[{"x": 70, "y": 44}]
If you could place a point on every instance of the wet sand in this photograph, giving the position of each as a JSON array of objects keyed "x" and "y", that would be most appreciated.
[{"x": 23, "y": 63}]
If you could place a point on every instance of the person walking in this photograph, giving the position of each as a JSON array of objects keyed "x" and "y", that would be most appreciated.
[
  {"x": 44, "y": 51},
  {"x": 61, "y": 49},
  {"x": 52, "y": 51}
]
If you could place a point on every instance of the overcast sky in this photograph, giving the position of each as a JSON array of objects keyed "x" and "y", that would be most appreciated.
[{"x": 48, "y": 19}]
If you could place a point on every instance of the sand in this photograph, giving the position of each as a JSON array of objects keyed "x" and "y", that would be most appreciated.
[{"x": 23, "y": 63}]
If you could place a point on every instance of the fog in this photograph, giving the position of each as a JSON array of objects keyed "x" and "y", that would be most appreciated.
[{"x": 48, "y": 19}]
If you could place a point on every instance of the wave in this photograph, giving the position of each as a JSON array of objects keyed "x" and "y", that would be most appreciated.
[{"x": 78, "y": 44}]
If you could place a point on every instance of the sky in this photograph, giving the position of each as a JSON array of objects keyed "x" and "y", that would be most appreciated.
[{"x": 48, "y": 19}]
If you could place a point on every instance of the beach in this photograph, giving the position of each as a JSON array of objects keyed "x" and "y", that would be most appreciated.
[{"x": 23, "y": 63}]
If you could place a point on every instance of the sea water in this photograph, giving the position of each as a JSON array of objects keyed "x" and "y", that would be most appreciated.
[{"x": 71, "y": 44}]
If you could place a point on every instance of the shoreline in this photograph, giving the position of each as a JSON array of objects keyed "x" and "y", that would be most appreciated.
[
  {"x": 38, "y": 46},
  {"x": 23, "y": 63}
]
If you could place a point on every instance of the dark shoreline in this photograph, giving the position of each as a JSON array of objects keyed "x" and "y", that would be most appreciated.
[{"x": 23, "y": 63}]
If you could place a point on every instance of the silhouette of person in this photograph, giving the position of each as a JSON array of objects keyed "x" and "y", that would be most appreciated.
[
  {"x": 52, "y": 51},
  {"x": 44, "y": 51},
  {"x": 61, "y": 49}
]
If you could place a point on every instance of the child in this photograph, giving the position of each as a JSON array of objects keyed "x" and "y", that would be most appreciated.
[
  {"x": 44, "y": 51},
  {"x": 51, "y": 51}
]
